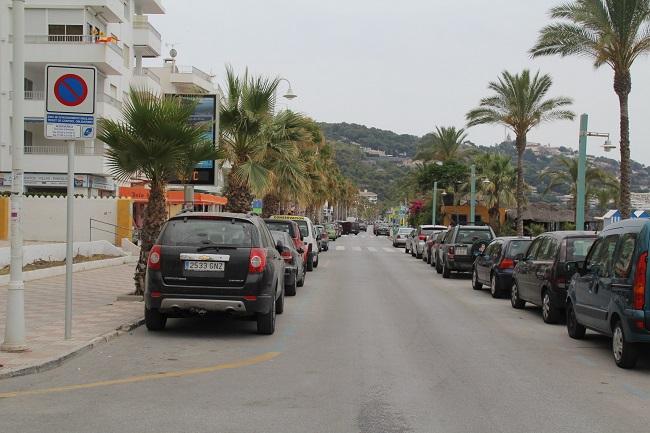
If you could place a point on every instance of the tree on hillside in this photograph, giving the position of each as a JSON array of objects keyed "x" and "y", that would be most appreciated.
[
  {"x": 612, "y": 32},
  {"x": 565, "y": 172},
  {"x": 519, "y": 104},
  {"x": 156, "y": 141}
]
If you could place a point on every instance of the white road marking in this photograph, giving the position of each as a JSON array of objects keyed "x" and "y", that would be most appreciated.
[
  {"x": 372, "y": 249},
  {"x": 389, "y": 250},
  {"x": 340, "y": 248},
  {"x": 356, "y": 248}
]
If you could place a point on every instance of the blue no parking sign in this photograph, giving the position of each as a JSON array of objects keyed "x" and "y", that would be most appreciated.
[{"x": 70, "y": 102}]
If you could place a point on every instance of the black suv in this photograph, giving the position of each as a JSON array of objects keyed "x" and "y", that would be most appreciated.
[
  {"x": 461, "y": 246},
  {"x": 214, "y": 262}
]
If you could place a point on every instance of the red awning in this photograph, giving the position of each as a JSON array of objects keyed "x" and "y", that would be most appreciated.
[{"x": 141, "y": 195}]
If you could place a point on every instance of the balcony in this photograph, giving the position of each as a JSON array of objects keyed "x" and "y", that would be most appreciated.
[
  {"x": 112, "y": 11},
  {"x": 52, "y": 158},
  {"x": 149, "y": 7},
  {"x": 148, "y": 80},
  {"x": 146, "y": 39},
  {"x": 191, "y": 80},
  {"x": 82, "y": 49},
  {"x": 81, "y": 149}
]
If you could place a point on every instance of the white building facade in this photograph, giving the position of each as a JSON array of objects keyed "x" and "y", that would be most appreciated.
[{"x": 112, "y": 35}]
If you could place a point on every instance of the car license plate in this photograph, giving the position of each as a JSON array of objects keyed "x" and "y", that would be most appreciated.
[
  {"x": 461, "y": 251},
  {"x": 205, "y": 266}
]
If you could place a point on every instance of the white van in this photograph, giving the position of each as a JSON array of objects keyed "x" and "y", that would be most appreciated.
[{"x": 308, "y": 232}]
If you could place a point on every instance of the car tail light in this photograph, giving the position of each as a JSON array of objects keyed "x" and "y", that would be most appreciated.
[
  {"x": 286, "y": 255},
  {"x": 507, "y": 263},
  {"x": 422, "y": 237},
  {"x": 451, "y": 252},
  {"x": 250, "y": 298},
  {"x": 638, "y": 289},
  {"x": 257, "y": 261},
  {"x": 153, "y": 261}
]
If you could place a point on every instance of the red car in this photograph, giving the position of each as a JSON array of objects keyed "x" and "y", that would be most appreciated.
[{"x": 292, "y": 228}]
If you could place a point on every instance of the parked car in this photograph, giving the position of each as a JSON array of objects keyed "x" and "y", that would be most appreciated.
[
  {"x": 293, "y": 230},
  {"x": 323, "y": 238},
  {"x": 429, "y": 241},
  {"x": 309, "y": 236},
  {"x": 399, "y": 240},
  {"x": 495, "y": 266},
  {"x": 540, "y": 276},
  {"x": 363, "y": 226},
  {"x": 420, "y": 242},
  {"x": 610, "y": 293},
  {"x": 410, "y": 242},
  {"x": 436, "y": 250},
  {"x": 214, "y": 262},
  {"x": 294, "y": 268},
  {"x": 461, "y": 246}
]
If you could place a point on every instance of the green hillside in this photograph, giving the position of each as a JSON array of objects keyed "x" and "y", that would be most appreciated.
[{"x": 377, "y": 139}]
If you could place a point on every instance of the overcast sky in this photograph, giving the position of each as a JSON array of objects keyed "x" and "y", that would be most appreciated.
[{"x": 406, "y": 65}]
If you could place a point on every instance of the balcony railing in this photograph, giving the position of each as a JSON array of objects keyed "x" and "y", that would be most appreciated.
[
  {"x": 151, "y": 75},
  {"x": 74, "y": 39},
  {"x": 142, "y": 22},
  {"x": 39, "y": 95},
  {"x": 192, "y": 70},
  {"x": 34, "y": 95},
  {"x": 55, "y": 149}
]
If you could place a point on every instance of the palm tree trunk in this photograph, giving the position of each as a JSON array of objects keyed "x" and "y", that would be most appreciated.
[
  {"x": 239, "y": 196},
  {"x": 155, "y": 215},
  {"x": 271, "y": 205},
  {"x": 521, "y": 148},
  {"x": 622, "y": 87}
]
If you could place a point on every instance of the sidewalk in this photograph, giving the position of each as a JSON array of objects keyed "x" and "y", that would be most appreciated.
[{"x": 96, "y": 316}]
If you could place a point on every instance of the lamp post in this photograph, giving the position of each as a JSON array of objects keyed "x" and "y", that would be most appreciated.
[
  {"x": 435, "y": 202},
  {"x": 472, "y": 196},
  {"x": 290, "y": 95},
  {"x": 582, "y": 167}
]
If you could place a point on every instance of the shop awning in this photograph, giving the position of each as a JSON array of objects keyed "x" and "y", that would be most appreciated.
[{"x": 141, "y": 195}]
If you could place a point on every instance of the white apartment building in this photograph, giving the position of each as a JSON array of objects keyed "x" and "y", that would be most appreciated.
[{"x": 112, "y": 35}]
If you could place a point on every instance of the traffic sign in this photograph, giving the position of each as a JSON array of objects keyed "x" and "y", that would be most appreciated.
[{"x": 70, "y": 102}]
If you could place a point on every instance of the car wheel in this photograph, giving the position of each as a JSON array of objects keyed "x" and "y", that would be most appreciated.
[
  {"x": 279, "y": 303},
  {"x": 438, "y": 267},
  {"x": 418, "y": 255},
  {"x": 154, "y": 320},
  {"x": 494, "y": 288},
  {"x": 550, "y": 314},
  {"x": 446, "y": 273},
  {"x": 575, "y": 329},
  {"x": 476, "y": 284},
  {"x": 625, "y": 353},
  {"x": 291, "y": 288},
  {"x": 428, "y": 259},
  {"x": 316, "y": 261},
  {"x": 515, "y": 301},
  {"x": 266, "y": 322},
  {"x": 310, "y": 262},
  {"x": 406, "y": 250}
]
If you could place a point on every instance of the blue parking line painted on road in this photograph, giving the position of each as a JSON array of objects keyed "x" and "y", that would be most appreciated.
[{"x": 638, "y": 392}]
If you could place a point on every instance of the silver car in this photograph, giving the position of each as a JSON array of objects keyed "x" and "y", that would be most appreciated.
[
  {"x": 419, "y": 241},
  {"x": 399, "y": 240}
]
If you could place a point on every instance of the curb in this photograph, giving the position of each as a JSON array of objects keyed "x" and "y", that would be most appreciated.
[{"x": 83, "y": 348}]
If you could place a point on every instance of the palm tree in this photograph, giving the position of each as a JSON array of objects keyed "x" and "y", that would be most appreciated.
[
  {"x": 245, "y": 118},
  {"x": 612, "y": 32},
  {"x": 445, "y": 144},
  {"x": 519, "y": 103},
  {"x": 498, "y": 184},
  {"x": 565, "y": 172},
  {"x": 156, "y": 140}
]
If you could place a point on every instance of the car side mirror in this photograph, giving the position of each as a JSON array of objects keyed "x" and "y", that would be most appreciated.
[
  {"x": 301, "y": 250},
  {"x": 279, "y": 246},
  {"x": 574, "y": 268},
  {"x": 519, "y": 258}
]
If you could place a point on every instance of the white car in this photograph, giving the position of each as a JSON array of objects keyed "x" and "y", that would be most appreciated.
[
  {"x": 309, "y": 237},
  {"x": 420, "y": 240}
]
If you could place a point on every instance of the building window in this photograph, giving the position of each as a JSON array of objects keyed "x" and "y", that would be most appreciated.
[
  {"x": 65, "y": 33},
  {"x": 114, "y": 91},
  {"x": 28, "y": 137}
]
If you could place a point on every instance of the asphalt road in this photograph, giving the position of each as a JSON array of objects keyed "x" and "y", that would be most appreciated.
[{"x": 374, "y": 342}]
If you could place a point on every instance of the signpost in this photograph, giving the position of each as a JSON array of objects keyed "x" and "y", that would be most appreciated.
[{"x": 70, "y": 115}]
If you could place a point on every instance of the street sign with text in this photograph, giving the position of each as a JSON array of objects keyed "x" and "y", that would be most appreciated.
[{"x": 70, "y": 102}]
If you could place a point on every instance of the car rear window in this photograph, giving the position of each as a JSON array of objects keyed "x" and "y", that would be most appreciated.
[
  {"x": 469, "y": 236},
  {"x": 404, "y": 231},
  {"x": 428, "y": 231},
  {"x": 577, "y": 248},
  {"x": 281, "y": 226},
  {"x": 304, "y": 228},
  {"x": 518, "y": 247},
  {"x": 198, "y": 232}
]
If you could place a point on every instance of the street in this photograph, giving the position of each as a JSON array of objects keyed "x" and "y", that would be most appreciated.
[{"x": 376, "y": 341}]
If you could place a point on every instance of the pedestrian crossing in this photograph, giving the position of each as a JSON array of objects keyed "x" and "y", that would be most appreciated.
[{"x": 369, "y": 249}]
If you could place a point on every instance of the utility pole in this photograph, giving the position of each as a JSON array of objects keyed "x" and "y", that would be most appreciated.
[
  {"x": 435, "y": 202},
  {"x": 472, "y": 198},
  {"x": 582, "y": 169},
  {"x": 15, "y": 340}
]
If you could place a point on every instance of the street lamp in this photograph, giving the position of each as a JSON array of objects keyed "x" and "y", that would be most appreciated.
[
  {"x": 582, "y": 167},
  {"x": 435, "y": 197},
  {"x": 472, "y": 196},
  {"x": 289, "y": 95}
]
